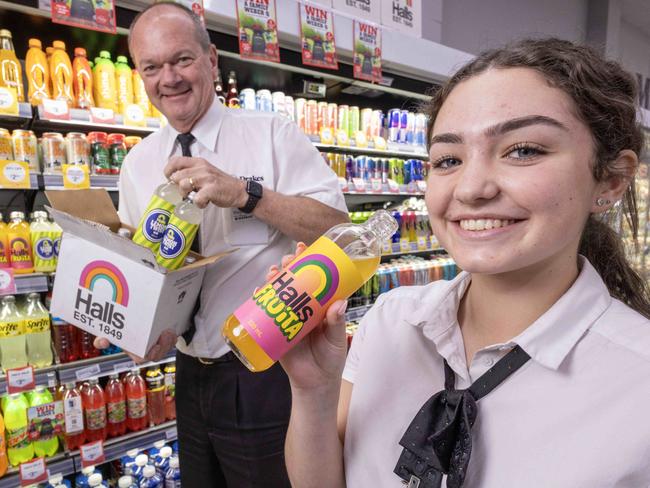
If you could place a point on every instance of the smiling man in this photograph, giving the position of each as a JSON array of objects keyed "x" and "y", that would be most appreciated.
[{"x": 263, "y": 186}]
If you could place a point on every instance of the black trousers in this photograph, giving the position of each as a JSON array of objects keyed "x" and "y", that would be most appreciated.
[{"x": 231, "y": 424}]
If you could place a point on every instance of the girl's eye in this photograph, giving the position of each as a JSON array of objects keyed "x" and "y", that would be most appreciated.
[
  {"x": 524, "y": 151},
  {"x": 445, "y": 162}
]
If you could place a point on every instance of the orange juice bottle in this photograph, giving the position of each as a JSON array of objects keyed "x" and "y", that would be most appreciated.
[
  {"x": 124, "y": 82},
  {"x": 38, "y": 73},
  {"x": 20, "y": 244},
  {"x": 61, "y": 73},
  {"x": 104, "y": 82},
  {"x": 83, "y": 80},
  {"x": 282, "y": 312},
  {"x": 11, "y": 75},
  {"x": 140, "y": 95}
]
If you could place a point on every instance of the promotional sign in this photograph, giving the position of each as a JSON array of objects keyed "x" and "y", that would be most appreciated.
[
  {"x": 14, "y": 174},
  {"x": 45, "y": 421},
  {"x": 92, "y": 454},
  {"x": 33, "y": 472},
  {"x": 96, "y": 15},
  {"x": 317, "y": 37},
  {"x": 367, "y": 51},
  {"x": 403, "y": 15},
  {"x": 20, "y": 379},
  {"x": 195, "y": 6},
  {"x": 258, "y": 30},
  {"x": 8, "y": 101},
  {"x": 369, "y": 10}
]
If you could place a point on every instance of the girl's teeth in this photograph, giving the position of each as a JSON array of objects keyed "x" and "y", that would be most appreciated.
[{"x": 484, "y": 224}]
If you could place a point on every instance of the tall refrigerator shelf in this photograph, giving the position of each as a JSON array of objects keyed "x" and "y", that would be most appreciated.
[{"x": 80, "y": 119}]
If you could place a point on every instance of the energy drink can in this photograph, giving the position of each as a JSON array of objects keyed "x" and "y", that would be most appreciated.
[
  {"x": 349, "y": 167},
  {"x": 366, "y": 121},
  {"x": 301, "y": 113},
  {"x": 396, "y": 167},
  {"x": 25, "y": 148},
  {"x": 6, "y": 151},
  {"x": 376, "y": 123},
  {"x": 340, "y": 165},
  {"x": 332, "y": 115},
  {"x": 393, "y": 124},
  {"x": 54, "y": 153},
  {"x": 384, "y": 170},
  {"x": 353, "y": 122},
  {"x": 360, "y": 167},
  {"x": 277, "y": 101},
  {"x": 410, "y": 128},
  {"x": 290, "y": 108},
  {"x": 343, "y": 118},
  {"x": 247, "y": 99},
  {"x": 77, "y": 148},
  {"x": 311, "y": 118},
  {"x": 417, "y": 164},
  {"x": 264, "y": 101},
  {"x": 408, "y": 171},
  {"x": 323, "y": 116},
  {"x": 370, "y": 169},
  {"x": 420, "y": 129}
]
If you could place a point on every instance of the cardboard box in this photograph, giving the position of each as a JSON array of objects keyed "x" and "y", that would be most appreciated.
[{"x": 111, "y": 287}]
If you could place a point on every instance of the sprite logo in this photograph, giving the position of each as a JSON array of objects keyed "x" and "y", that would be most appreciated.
[
  {"x": 154, "y": 224},
  {"x": 173, "y": 242},
  {"x": 44, "y": 248}
]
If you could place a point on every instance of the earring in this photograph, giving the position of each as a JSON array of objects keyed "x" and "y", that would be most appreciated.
[{"x": 602, "y": 201}]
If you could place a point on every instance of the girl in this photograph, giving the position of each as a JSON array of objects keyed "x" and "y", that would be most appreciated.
[{"x": 532, "y": 367}]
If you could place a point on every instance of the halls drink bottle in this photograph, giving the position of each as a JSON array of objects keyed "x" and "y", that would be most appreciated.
[
  {"x": 115, "y": 406},
  {"x": 48, "y": 442},
  {"x": 151, "y": 228},
  {"x": 179, "y": 234},
  {"x": 20, "y": 244},
  {"x": 61, "y": 73},
  {"x": 19, "y": 447},
  {"x": 38, "y": 73},
  {"x": 5, "y": 254},
  {"x": 82, "y": 80},
  {"x": 94, "y": 404},
  {"x": 75, "y": 436},
  {"x": 11, "y": 75},
  {"x": 56, "y": 232},
  {"x": 37, "y": 329},
  {"x": 155, "y": 395},
  {"x": 285, "y": 310},
  {"x": 13, "y": 348},
  {"x": 136, "y": 401},
  {"x": 40, "y": 231}
]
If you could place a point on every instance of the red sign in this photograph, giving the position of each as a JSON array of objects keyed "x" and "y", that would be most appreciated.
[
  {"x": 33, "y": 472},
  {"x": 20, "y": 379},
  {"x": 92, "y": 454},
  {"x": 257, "y": 28},
  {"x": 317, "y": 37},
  {"x": 98, "y": 15},
  {"x": 367, "y": 51}
]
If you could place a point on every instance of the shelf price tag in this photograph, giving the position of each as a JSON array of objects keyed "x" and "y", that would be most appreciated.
[
  {"x": 393, "y": 186},
  {"x": 14, "y": 174},
  {"x": 75, "y": 177},
  {"x": 20, "y": 379},
  {"x": 343, "y": 184},
  {"x": 102, "y": 115},
  {"x": 360, "y": 139},
  {"x": 359, "y": 184},
  {"x": 423, "y": 243},
  {"x": 88, "y": 372},
  {"x": 55, "y": 109},
  {"x": 404, "y": 244},
  {"x": 387, "y": 247},
  {"x": 342, "y": 138},
  {"x": 380, "y": 143},
  {"x": 92, "y": 454},
  {"x": 134, "y": 116},
  {"x": 376, "y": 185},
  {"x": 421, "y": 185},
  {"x": 8, "y": 101},
  {"x": 326, "y": 136},
  {"x": 7, "y": 282},
  {"x": 33, "y": 472},
  {"x": 434, "y": 242}
]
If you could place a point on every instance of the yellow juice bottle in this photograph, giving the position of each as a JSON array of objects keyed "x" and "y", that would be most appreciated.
[
  {"x": 124, "y": 82},
  {"x": 83, "y": 80},
  {"x": 11, "y": 74},
  {"x": 104, "y": 82},
  {"x": 20, "y": 244},
  {"x": 140, "y": 95},
  {"x": 282, "y": 312},
  {"x": 38, "y": 73},
  {"x": 61, "y": 73}
]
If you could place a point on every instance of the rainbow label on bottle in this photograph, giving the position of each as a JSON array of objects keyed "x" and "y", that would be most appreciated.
[
  {"x": 33, "y": 326},
  {"x": 153, "y": 224},
  {"x": 13, "y": 328},
  {"x": 4, "y": 257},
  {"x": 21, "y": 253},
  {"x": 288, "y": 307},
  {"x": 176, "y": 243}
]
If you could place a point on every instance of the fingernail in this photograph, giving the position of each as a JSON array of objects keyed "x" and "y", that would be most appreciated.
[{"x": 342, "y": 308}]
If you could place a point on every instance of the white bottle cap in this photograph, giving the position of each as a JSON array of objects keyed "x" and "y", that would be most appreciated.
[
  {"x": 125, "y": 482},
  {"x": 88, "y": 470},
  {"x": 141, "y": 460},
  {"x": 95, "y": 479},
  {"x": 159, "y": 444},
  {"x": 132, "y": 453},
  {"x": 173, "y": 462},
  {"x": 166, "y": 452},
  {"x": 148, "y": 471},
  {"x": 55, "y": 479}
]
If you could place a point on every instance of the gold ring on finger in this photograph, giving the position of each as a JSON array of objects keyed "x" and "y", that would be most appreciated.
[{"x": 192, "y": 184}]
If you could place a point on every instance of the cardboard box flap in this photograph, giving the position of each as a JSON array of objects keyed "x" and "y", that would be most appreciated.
[
  {"x": 206, "y": 261},
  {"x": 92, "y": 205}
]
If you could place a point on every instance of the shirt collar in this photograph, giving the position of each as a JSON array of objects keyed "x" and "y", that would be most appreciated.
[
  {"x": 206, "y": 130},
  {"x": 548, "y": 340}
]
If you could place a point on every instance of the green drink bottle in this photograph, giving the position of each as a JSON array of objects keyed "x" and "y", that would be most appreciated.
[
  {"x": 48, "y": 442},
  {"x": 152, "y": 226},
  {"x": 179, "y": 234}
]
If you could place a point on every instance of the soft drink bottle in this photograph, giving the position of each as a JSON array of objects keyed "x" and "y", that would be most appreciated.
[
  {"x": 127, "y": 463},
  {"x": 124, "y": 82},
  {"x": 154, "y": 452},
  {"x": 173, "y": 474},
  {"x": 48, "y": 443},
  {"x": 179, "y": 234},
  {"x": 19, "y": 447},
  {"x": 66, "y": 340},
  {"x": 42, "y": 246},
  {"x": 37, "y": 327},
  {"x": 74, "y": 419},
  {"x": 88, "y": 350},
  {"x": 20, "y": 244},
  {"x": 38, "y": 73},
  {"x": 115, "y": 406},
  {"x": 126, "y": 482},
  {"x": 4, "y": 462},
  {"x": 13, "y": 348},
  {"x": 105, "y": 90},
  {"x": 56, "y": 232},
  {"x": 141, "y": 461},
  {"x": 287, "y": 308},
  {"x": 162, "y": 461},
  {"x": 94, "y": 403},
  {"x": 155, "y": 395},
  {"x": 61, "y": 73},
  {"x": 136, "y": 401},
  {"x": 151, "y": 228},
  {"x": 150, "y": 478},
  {"x": 11, "y": 75},
  {"x": 140, "y": 95},
  {"x": 5, "y": 251},
  {"x": 170, "y": 390},
  {"x": 81, "y": 481},
  {"x": 83, "y": 80},
  {"x": 96, "y": 479}
]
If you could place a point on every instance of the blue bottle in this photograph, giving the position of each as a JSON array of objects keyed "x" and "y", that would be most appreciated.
[
  {"x": 150, "y": 478},
  {"x": 175, "y": 447},
  {"x": 141, "y": 461},
  {"x": 173, "y": 474},
  {"x": 162, "y": 460},
  {"x": 126, "y": 482},
  {"x": 81, "y": 481},
  {"x": 127, "y": 462},
  {"x": 96, "y": 480},
  {"x": 154, "y": 452}
]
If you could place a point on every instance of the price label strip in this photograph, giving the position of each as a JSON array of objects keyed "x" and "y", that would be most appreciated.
[
  {"x": 7, "y": 282},
  {"x": 89, "y": 372},
  {"x": 393, "y": 186},
  {"x": 55, "y": 109},
  {"x": 376, "y": 185},
  {"x": 75, "y": 177},
  {"x": 20, "y": 379},
  {"x": 92, "y": 454},
  {"x": 102, "y": 115},
  {"x": 33, "y": 472},
  {"x": 8, "y": 101},
  {"x": 14, "y": 174},
  {"x": 359, "y": 184},
  {"x": 134, "y": 116},
  {"x": 404, "y": 245},
  {"x": 343, "y": 184}
]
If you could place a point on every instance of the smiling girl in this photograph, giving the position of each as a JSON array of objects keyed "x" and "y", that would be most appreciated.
[{"x": 532, "y": 367}]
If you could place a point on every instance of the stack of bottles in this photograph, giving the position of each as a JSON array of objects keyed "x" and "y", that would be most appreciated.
[
  {"x": 157, "y": 467},
  {"x": 414, "y": 225},
  {"x": 79, "y": 82},
  {"x": 103, "y": 153},
  {"x": 401, "y": 171}
]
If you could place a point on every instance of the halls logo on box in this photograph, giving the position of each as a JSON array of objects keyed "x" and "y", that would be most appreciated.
[{"x": 102, "y": 298}]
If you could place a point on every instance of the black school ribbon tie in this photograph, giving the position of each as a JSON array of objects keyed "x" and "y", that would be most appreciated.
[
  {"x": 185, "y": 140},
  {"x": 439, "y": 439}
]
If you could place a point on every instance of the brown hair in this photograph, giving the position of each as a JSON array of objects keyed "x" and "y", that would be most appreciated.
[{"x": 605, "y": 100}]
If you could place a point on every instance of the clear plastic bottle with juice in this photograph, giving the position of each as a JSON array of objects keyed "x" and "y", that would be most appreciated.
[
  {"x": 5, "y": 254},
  {"x": 40, "y": 231},
  {"x": 83, "y": 80},
  {"x": 56, "y": 232},
  {"x": 61, "y": 74},
  {"x": 86, "y": 345},
  {"x": 38, "y": 73},
  {"x": 153, "y": 223},
  {"x": 94, "y": 403},
  {"x": 75, "y": 436},
  {"x": 66, "y": 340},
  {"x": 155, "y": 395},
  {"x": 37, "y": 329},
  {"x": 13, "y": 347},
  {"x": 124, "y": 82},
  {"x": 115, "y": 406},
  {"x": 139, "y": 94},
  {"x": 285, "y": 310},
  {"x": 136, "y": 401},
  {"x": 170, "y": 390},
  {"x": 4, "y": 461},
  {"x": 20, "y": 244},
  {"x": 104, "y": 82},
  {"x": 180, "y": 233},
  {"x": 19, "y": 448},
  {"x": 11, "y": 74},
  {"x": 48, "y": 442}
]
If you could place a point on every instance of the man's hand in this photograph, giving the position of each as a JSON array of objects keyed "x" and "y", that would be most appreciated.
[
  {"x": 210, "y": 183},
  {"x": 166, "y": 341}
]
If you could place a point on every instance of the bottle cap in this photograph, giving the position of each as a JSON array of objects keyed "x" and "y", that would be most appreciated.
[
  {"x": 35, "y": 43},
  {"x": 88, "y": 470},
  {"x": 80, "y": 51},
  {"x": 104, "y": 55},
  {"x": 33, "y": 296},
  {"x": 123, "y": 232},
  {"x": 93, "y": 381},
  {"x": 95, "y": 479},
  {"x": 9, "y": 299},
  {"x": 58, "y": 45},
  {"x": 57, "y": 478},
  {"x": 116, "y": 138},
  {"x": 40, "y": 214},
  {"x": 383, "y": 224},
  {"x": 132, "y": 453},
  {"x": 159, "y": 444},
  {"x": 173, "y": 462},
  {"x": 17, "y": 215},
  {"x": 5, "y": 33},
  {"x": 166, "y": 452},
  {"x": 114, "y": 376},
  {"x": 141, "y": 460},
  {"x": 122, "y": 59},
  {"x": 149, "y": 471},
  {"x": 125, "y": 482}
]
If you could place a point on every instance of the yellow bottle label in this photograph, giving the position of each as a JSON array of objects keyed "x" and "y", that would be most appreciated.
[
  {"x": 33, "y": 326},
  {"x": 43, "y": 250},
  {"x": 176, "y": 243},
  {"x": 13, "y": 328},
  {"x": 153, "y": 223}
]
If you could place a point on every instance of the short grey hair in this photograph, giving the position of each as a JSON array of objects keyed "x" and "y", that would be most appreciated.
[{"x": 200, "y": 32}]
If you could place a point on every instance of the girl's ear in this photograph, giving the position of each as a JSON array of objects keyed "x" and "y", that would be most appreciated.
[{"x": 614, "y": 186}]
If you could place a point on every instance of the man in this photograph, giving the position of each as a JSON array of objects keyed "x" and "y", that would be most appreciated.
[{"x": 231, "y": 423}]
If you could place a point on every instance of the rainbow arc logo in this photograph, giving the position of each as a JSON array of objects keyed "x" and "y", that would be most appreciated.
[
  {"x": 321, "y": 272},
  {"x": 97, "y": 271}
]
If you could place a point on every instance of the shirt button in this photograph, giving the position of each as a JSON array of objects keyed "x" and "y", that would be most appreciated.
[{"x": 488, "y": 361}]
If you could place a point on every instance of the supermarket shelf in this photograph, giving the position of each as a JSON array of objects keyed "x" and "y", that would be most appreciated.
[
  {"x": 34, "y": 183},
  {"x": 397, "y": 251},
  {"x": 109, "y": 182},
  {"x": 28, "y": 283},
  {"x": 59, "y": 463},
  {"x": 20, "y": 121},
  {"x": 80, "y": 121},
  {"x": 393, "y": 150}
]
